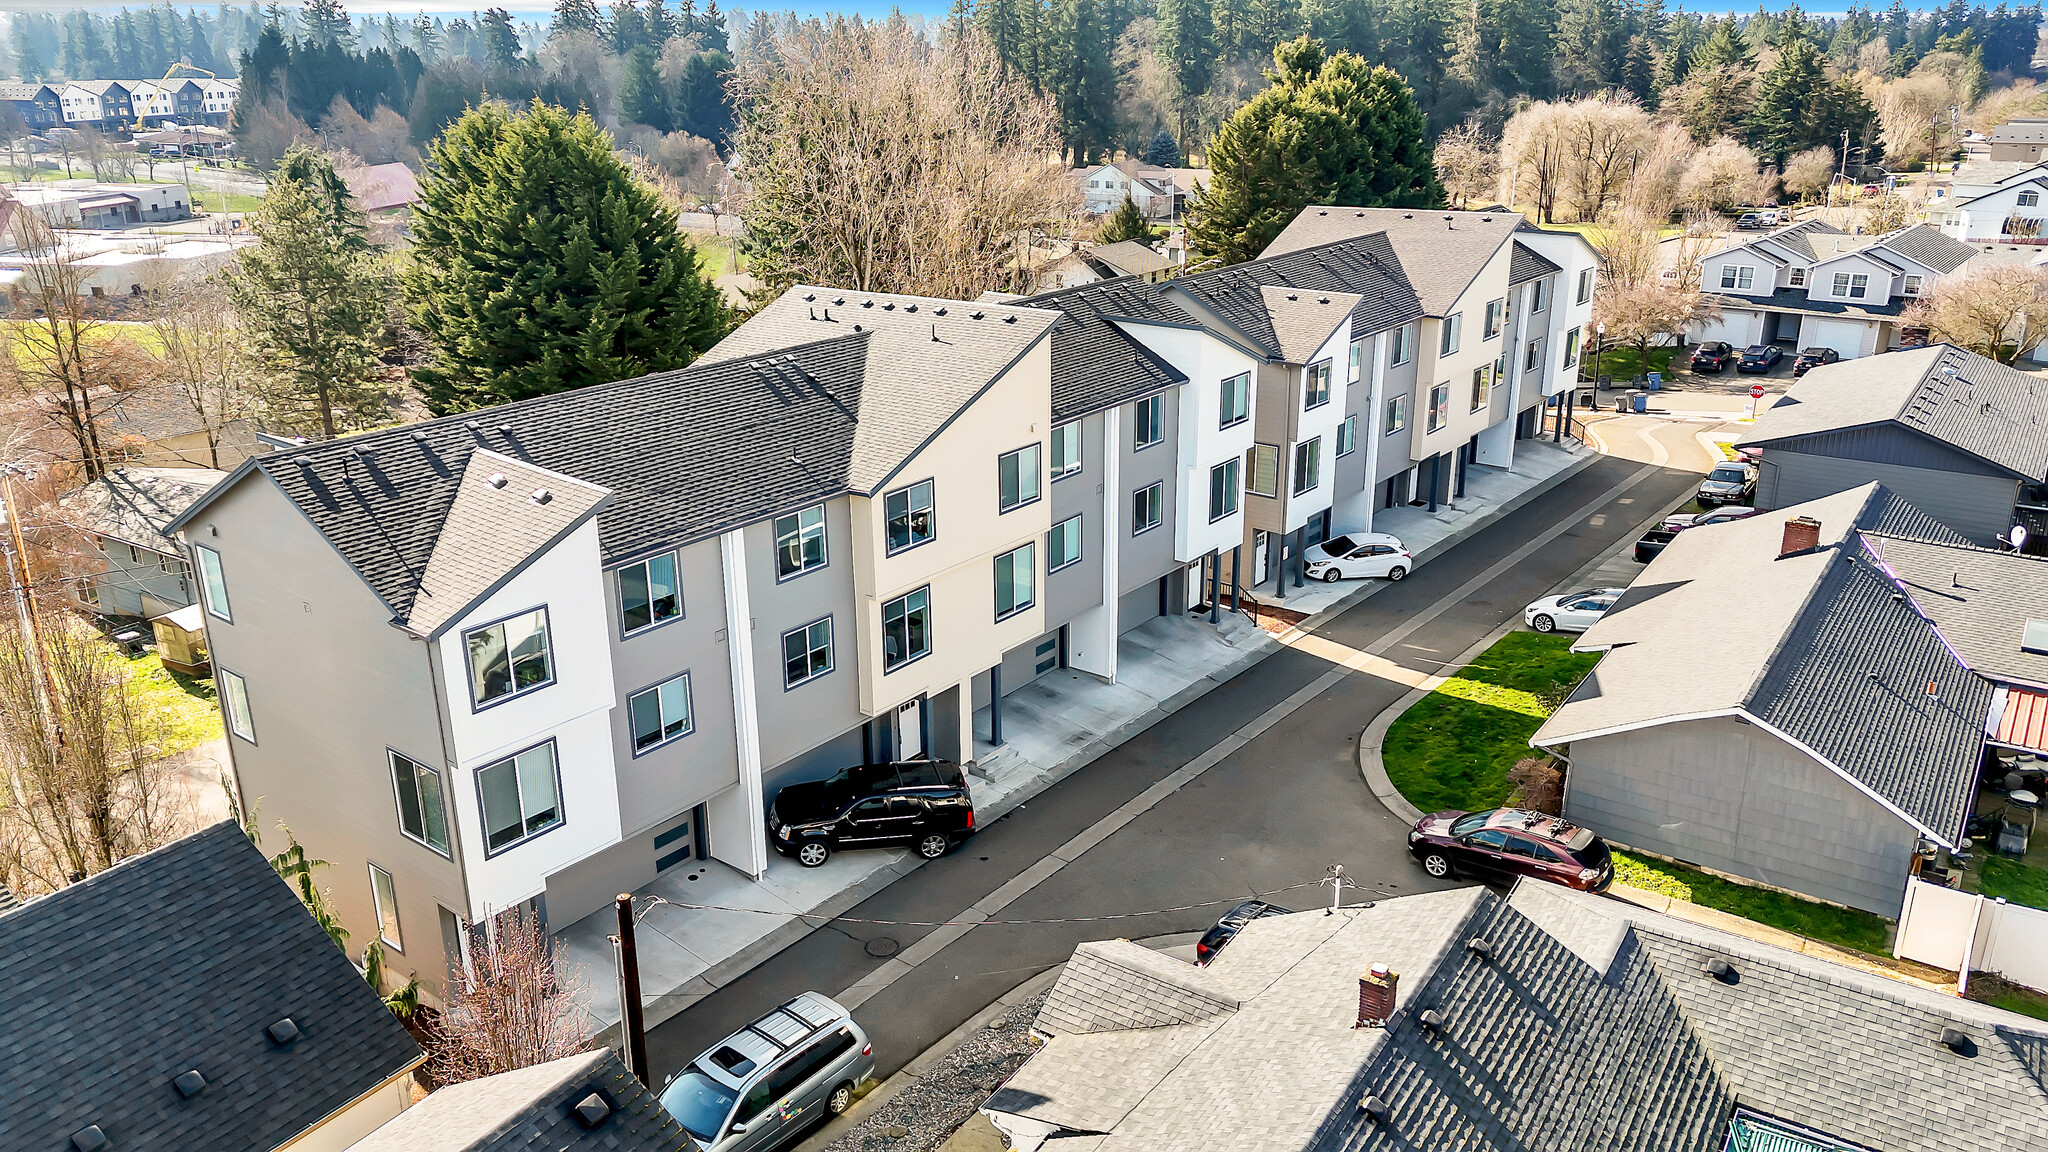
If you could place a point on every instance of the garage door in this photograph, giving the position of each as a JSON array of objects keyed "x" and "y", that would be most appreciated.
[
  {"x": 1734, "y": 326},
  {"x": 1844, "y": 336}
]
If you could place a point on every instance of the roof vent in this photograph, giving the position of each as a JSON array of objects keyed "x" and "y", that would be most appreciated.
[
  {"x": 1720, "y": 970},
  {"x": 910, "y": 307},
  {"x": 1958, "y": 1041},
  {"x": 1486, "y": 219},
  {"x": 1432, "y": 1020},
  {"x": 810, "y": 296},
  {"x": 496, "y": 480},
  {"x": 1322, "y": 299},
  {"x": 283, "y": 1032},
  {"x": 189, "y": 1083},
  {"x": 473, "y": 425},
  {"x": 838, "y": 300},
  {"x": 1293, "y": 296},
  {"x": 856, "y": 327},
  {"x": 504, "y": 429},
  {"x": 888, "y": 306},
  {"x": 1322, "y": 212},
  {"x": 89, "y": 1139},
  {"x": 419, "y": 437},
  {"x": 541, "y": 496},
  {"x": 592, "y": 1111},
  {"x": 305, "y": 462},
  {"x": 1374, "y": 1107},
  {"x": 975, "y": 315},
  {"x": 1407, "y": 215},
  {"x": 1481, "y": 947},
  {"x": 939, "y": 311},
  {"x": 2034, "y": 637},
  {"x": 1447, "y": 220}
]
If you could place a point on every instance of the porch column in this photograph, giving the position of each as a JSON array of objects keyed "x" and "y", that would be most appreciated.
[
  {"x": 1300, "y": 557},
  {"x": 995, "y": 705},
  {"x": 1436, "y": 463},
  {"x": 1215, "y": 586},
  {"x": 1236, "y": 585}
]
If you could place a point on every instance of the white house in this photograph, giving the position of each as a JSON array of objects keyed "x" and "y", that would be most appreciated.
[
  {"x": 1997, "y": 204},
  {"x": 1158, "y": 192}
]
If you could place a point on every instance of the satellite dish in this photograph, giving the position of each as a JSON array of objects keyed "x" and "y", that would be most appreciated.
[{"x": 2018, "y": 537}]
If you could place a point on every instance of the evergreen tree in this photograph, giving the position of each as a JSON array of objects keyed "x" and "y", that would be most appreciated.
[
  {"x": 1080, "y": 76},
  {"x": 1126, "y": 223},
  {"x": 575, "y": 16},
  {"x": 1781, "y": 121},
  {"x": 1331, "y": 130},
  {"x": 643, "y": 98},
  {"x": 501, "y": 42},
  {"x": 1718, "y": 86},
  {"x": 1231, "y": 22},
  {"x": 426, "y": 38},
  {"x": 326, "y": 21},
  {"x": 628, "y": 28},
  {"x": 1008, "y": 26},
  {"x": 1589, "y": 45},
  {"x": 198, "y": 46},
  {"x": 1342, "y": 25},
  {"x": 1526, "y": 33},
  {"x": 660, "y": 23},
  {"x": 1187, "y": 44},
  {"x": 542, "y": 265},
  {"x": 703, "y": 103},
  {"x": 1162, "y": 152}
]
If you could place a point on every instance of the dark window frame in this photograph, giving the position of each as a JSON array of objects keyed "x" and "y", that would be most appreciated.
[
  {"x": 1156, "y": 507},
  {"x": 775, "y": 531},
  {"x": 888, "y": 668},
  {"x": 483, "y": 817},
  {"x": 931, "y": 515},
  {"x": 619, "y": 593},
  {"x": 547, "y": 631},
  {"x": 831, "y": 655},
  {"x": 996, "y": 577},
  {"x": 1070, "y": 561},
  {"x": 392, "y": 758},
  {"x": 689, "y": 702}
]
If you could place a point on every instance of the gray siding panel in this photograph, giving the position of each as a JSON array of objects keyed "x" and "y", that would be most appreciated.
[
  {"x": 795, "y": 719},
  {"x": 1979, "y": 507},
  {"x": 1073, "y": 590},
  {"x": 1732, "y": 797},
  {"x": 1886, "y": 444},
  {"x": 1147, "y": 557}
]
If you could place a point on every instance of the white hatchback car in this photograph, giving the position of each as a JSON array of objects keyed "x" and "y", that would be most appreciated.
[
  {"x": 1358, "y": 556},
  {"x": 1575, "y": 612}
]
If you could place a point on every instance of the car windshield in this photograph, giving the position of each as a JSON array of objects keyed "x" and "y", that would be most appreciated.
[
  {"x": 1339, "y": 545},
  {"x": 1814, "y": 353},
  {"x": 699, "y": 1103},
  {"x": 1471, "y": 822},
  {"x": 1757, "y": 350},
  {"x": 1728, "y": 475}
]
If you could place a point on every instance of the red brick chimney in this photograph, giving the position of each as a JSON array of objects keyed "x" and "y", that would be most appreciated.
[
  {"x": 1802, "y": 534},
  {"x": 1376, "y": 987}
]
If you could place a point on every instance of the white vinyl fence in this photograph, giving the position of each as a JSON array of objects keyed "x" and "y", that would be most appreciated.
[{"x": 1965, "y": 932}]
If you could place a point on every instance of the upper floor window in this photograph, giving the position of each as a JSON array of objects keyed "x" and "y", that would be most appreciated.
[
  {"x": 1063, "y": 544},
  {"x": 906, "y": 628},
  {"x": 2029, "y": 199},
  {"x": 1737, "y": 276},
  {"x": 1571, "y": 348},
  {"x": 1539, "y": 294},
  {"x": 1223, "y": 489},
  {"x": 660, "y": 714},
  {"x": 212, "y": 587},
  {"x": 1315, "y": 390},
  {"x": 1403, "y": 345},
  {"x": 1453, "y": 332},
  {"x": 521, "y": 795},
  {"x": 799, "y": 542},
  {"x": 1234, "y": 402},
  {"x": 1439, "y": 406},
  {"x": 1148, "y": 421},
  {"x": 1066, "y": 449},
  {"x": 234, "y": 696},
  {"x": 1533, "y": 356},
  {"x": 1016, "y": 580},
  {"x": 509, "y": 657},
  {"x": 1496, "y": 316},
  {"x": 1308, "y": 464},
  {"x": 1482, "y": 387},
  {"x": 1796, "y": 278},
  {"x": 385, "y": 896},
  {"x": 1357, "y": 358},
  {"x": 1347, "y": 436},
  {"x": 1262, "y": 470},
  {"x": 909, "y": 513},
  {"x": 806, "y": 652},
  {"x": 420, "y": 813},
  {"x": 1146, "y": 503},
  {"x": 649, "y": 592},
  {"x": 1585, "y": 285},
  {"x": 1017, "y": 478},
  {"x": 1851, "y": 285},
  {"x": 1397, "y": 413},
  {"x": 1911, "y": 286}
]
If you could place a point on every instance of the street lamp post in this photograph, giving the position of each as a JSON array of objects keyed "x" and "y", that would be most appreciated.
[{"x": 1599, "y": 346}]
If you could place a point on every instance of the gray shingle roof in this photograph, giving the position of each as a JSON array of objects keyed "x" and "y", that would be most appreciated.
[
  {"x": 1362, "y": 265},
  {"x": 1095, "y": 364},
  {"x": 1127, "y": 258},
  {"x": 1453, "y": 253},
  {"x": 1303, "y": 322},
  {"x": 134, "y": 504},
  {"x": 1994, "y": 413},
  {"x": 1526, "y": 264},
  {"x": 175, "y": 960},
  {"x": 2025, "y": 130},
  {"x": 1796, "y": 300},
  {"x": 1799, "y": 237},
  {"x": 532, "y": 1110},
  {"x": 1979, "y": 600},
  {"x": 1115, "y": 984},
  {"x": 1926, "y": 244}
]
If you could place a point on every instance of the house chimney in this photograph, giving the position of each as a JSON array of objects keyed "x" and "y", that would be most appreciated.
[
  {"x": 1802, "y": 534},
  {"x": 1376, "y": 996}
]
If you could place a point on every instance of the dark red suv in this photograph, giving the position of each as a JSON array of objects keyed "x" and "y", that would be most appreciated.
[{"x": 1501, "y": 844}]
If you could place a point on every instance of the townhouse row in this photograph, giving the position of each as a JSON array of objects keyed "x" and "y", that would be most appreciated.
[
  {"x": 539, "y": 654},
  {"x": 121, "y": 103}
]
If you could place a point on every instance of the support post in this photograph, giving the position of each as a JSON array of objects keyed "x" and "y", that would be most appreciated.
[
  {"x": 1236, "y": 584},
  {"x": 1276, "y": 550},
  {"x": 924, "y": 727},
  {"x": 1215, "y": 586},
  {"x": 1301, "y": 557},
  {"x": 995, "y": 705},
  {"x": 1436, "y": 467},
  {"x": 630, "y": 1019}
]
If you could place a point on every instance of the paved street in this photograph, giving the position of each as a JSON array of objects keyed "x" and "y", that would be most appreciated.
[{"x": 1271, "y": 813}]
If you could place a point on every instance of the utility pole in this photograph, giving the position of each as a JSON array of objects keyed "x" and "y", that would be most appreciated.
[
  {"x": 631, "y": 1021},
  {"x": 23, "y": 586}
]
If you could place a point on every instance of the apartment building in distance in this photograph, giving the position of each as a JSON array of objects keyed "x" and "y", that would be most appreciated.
[{"x": 538, "y": 654}]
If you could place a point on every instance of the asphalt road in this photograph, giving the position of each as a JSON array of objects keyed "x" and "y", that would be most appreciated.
[{"x": 1276, "y": 812}]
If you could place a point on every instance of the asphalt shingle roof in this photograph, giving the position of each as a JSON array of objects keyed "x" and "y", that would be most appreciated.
[
  {"x": 1114, "y": 984},
  {"x": 533, "y": 1110},
  {"x": 1362, "y": 265},
  {"x": 134, "y": 504},
  {"x": 1097, "y": 365},
  {"x": 1526, "y": 264},
  {"x": 174, "y": 960},
  {"x": 1928, "y": 245},
  {"x": 1445, "y": 251},
  {"x": 1127, "y": 258},
  {"x": 1979, "y": 600},
  {"x": 1985, "y": 409}
]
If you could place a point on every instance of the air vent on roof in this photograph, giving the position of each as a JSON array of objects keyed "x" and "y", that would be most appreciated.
[
  {"x": 1010, "y": 319},
  {"x": 496, "y": 480},
  {"x": 1958, "y": 1041},
  {"x": 1322, "y": 299},
  {"x": 1486, "y": 219},
  {"x": 541, "y": 496},
  {"x": 1322, "y": 212},
  {"x": 974, "y": 315},
  {"x": 2034, "y": 637},
  {"x": 867, "y": 303},
  {"x": 1374, "y": 1107},
  {"x": 809, "y": 296},
  {"x": 473, "y": 425},
  {"x": 939, "y": 311},
  {"x": 1432, "y": 1020},
  {"x": 592, "y": 1111},
  {"x": 889, "y": 306},
  {"x": 305, "y": 462},
  {"x": 837, "y": 300},
  {"x": 1719, "y": 969},
  {"x": 89, "y": 1139},
  {"x": 189, "y": 1083},
  {"x": 1480, "y": 946},
  {"x": 419, "y": 437},
  {"x": 505, "y": 429},
  {"x": 283, "y": 1032},
  {"x": 910, "y": 307}
]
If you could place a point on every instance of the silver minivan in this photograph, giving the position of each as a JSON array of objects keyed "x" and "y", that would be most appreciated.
[{"x": 767, "y": 1082}]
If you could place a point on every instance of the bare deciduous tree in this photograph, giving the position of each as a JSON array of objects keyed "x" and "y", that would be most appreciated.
[
  {"x": 1808, "y": 173},
  {"x": 2000, "y": 312},
  {"x": 1572, "y": 160},
  {"x": 384, "y": 138},
  {"x": 1912, "y": 111},
  {"x": 205, "y": 355},
  {"x": 1720, "y": 175},
  {"x": 1468, "y": 165},
  {"x": 511, "y": 1006}
]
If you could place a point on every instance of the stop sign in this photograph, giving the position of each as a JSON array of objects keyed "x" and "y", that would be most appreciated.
[{"x": 1756, "y": 391}]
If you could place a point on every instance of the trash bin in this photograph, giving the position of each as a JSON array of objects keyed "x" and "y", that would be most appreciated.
[
  {"x": 1654, "y": 381},
  {"x": 1638, "y": 401}
]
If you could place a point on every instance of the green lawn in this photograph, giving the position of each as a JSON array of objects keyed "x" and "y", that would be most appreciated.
[
  {"x": 1842, "y": 927},
  {"x": 2011, "y": 880},
  {"x": 1453, "y": 749},
  {"x": 184, "y": 704},
  {"x": 1986, "y": 988},
  {"x": 1623, "y": 364}
]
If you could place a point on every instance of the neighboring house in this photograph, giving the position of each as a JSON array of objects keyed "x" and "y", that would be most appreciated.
[
  {"x": 1998, "y": 203},
  {"x": 1843, "y": 722},
  {"x": 38, "y": 105},
  {"x": 1811, "y": 285},
  {"x": 217, "y": 98},
  {"x": 1158, "y": 192},
  {"x": 381, "y": 188},
  {"x": 158, "y": 428},
  {"x": 184, "y": 998},
  {"x": 125, "y": 263},
  {"x": 2022, "y": 139},
  {"x": 1548, "y": 1020},
  {"x": 143, "y": 570},
  {"x": 1962, "y": 438},
  {"x": 98, "y": 103},
  {"x": 1092, "y": 265},
  {"x": 583, "y": 1103},
  {"x": 87, "y": 204}
]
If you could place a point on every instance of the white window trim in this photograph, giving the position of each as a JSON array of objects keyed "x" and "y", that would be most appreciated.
[{"x": 233, "y": 688}]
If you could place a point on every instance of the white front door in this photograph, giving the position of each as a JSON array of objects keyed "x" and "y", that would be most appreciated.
[{"x": 910, "y": 730}]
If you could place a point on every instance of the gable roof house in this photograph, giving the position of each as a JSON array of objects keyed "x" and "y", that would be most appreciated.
[
  {"x": 1842, "y": 726},
  {"x": 583, "y": 1103},
  {"x": 1158, "y": 192},
  {"x": 1994, "y": 203},
  {"x": 1963, "y": 438},
  {"x": 1547, "y": 1020},
  {"x": 125, "y": 516},
  {"x": 184, "y": 998}
]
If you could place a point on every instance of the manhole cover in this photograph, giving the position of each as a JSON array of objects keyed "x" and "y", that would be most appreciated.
[{"x": 882, "y": 946}]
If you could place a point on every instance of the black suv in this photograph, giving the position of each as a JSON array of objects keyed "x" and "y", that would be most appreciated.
[
  {"x": 916, "y": 802},
  {"x": 1712, "y": 356}
]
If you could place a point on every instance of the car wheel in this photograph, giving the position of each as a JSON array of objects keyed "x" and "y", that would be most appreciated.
[
  {"x": 1397, "y": 573},
  {"x": 1331, "y": 575},
  {"x": 813, "y": 854},
  {"x": 1543, "y": 623},
  {"x": 933, "y": 846},
  {"x": 1438, "y": 865},
  {"x": 840, "y": 1100}
]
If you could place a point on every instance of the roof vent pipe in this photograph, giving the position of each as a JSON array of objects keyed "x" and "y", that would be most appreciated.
[
  {"x": 1432, "y": 1020},
  {"x": 1376, "y": 996},
  {"x": 1719, "y": 969},
  {"x": 1802, "y": 534},
  {"x": 1373, "y": 1107},
  {"x": 1958, "y": 1041}
]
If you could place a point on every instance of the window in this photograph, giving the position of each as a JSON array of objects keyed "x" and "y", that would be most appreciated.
[
  {"x": 1262, "y": 470},
  {"x": 1852, "y": 286},
  {"x": 420, "y": 814},
  {"x": 1912, "y": 286},
  {"x": 1347, "y": 436},
  {"x": 1403, "y": 345},
  {"x": 1496, "y": 313},
  {"x": 1017, "y": 478},
  {"x": 1796, "y": 278},
  {"x": 1571, "y": 348},
  {"x": 799, "y": 542},
  {"x": 1482, "y": 386},
  {"x": 1315, "y": 388},
  {"x": 1739, "y": 277},
  {"x": 1453, "y": 332},
  {"x": 660, "y": 713},
  {"x": 1016, "y": 581},
  {"x": 211, "y": 585},
  {"x": 1439, "y": 406},
  {"x": 234, "y": 694},
  {"x": 1234, "y": 405},
  {"x": 906, "y": 629},
  {"x": 1145, "y": 505},
  {"x": 649, "y": 593},
  {"x": 386, "y": 898},
  {"x": 1539, "y": 294},
  {"x": 1066, "y": 449},
  {"x": 1533, "y": 356},
  {"x": 1586, "y": 285},
  {"x": 1397, "y": 413},
  {"x": 1063, "y": 544},
  {"x": 1357, "y": 358},
  {"x": 521, "y": 797},
  {"x": 806, "y": 652},
  {"x": 1147, "y": 421},
  {"x": 509, "y": 657},
  {"x": 909, "y": 513},
  {"x": 1308, "y": 465},
  {"x": 2029, "y": 199},
  {"x": 1223, "y": 489}
]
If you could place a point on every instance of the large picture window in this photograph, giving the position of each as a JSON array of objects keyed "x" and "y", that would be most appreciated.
[
  {"x": 649, "y": 593},
  {"x": 420, "y": 812},
  {"x": 906, "y": 629},
  {"x": 806, "y": 652},
  {"x": 799, "y": 542},
  {"x": 521, "y": 797},
  {"x": 1017, "y": 478},
  {"x": 1016, "y": 580},
  {"x": 509, "y": 657},
  {"x": 212, "y": 586},
  {"x": 661, "y": 713},
  {"x": 909, "y": 512}
]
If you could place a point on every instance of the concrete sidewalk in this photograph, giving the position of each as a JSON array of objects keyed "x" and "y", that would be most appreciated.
[{"x": 1054, "y": 726}]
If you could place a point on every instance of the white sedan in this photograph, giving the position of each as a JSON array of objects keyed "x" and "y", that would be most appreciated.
[
  {"x": 1358, "y": 556},
  {"x": 1575, "y": 612}
]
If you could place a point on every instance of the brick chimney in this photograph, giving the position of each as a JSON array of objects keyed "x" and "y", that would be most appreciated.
[
  {"x": 1802, "y": 534},
  {"x": 1376, "y": 987}
]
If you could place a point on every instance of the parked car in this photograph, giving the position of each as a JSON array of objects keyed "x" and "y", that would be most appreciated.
[
  {"x": 1729, "y": 483},
  {"x": 1232, "y": 923},
  {"x": 1358, "y": 556},
  {"x": 922, "y": 803},
  {"x": 1712, "y": 356},
  {"x": 1575, "y": 612},
  {"x": 1749, "y": 222},
  {"x": 1680, "y": 521},
  {"x": 762, "y": 1086},
  {"x": 1653, "y": 542},
  {"x": 1501, "y": 844},
  {"x": 1759, "y": 358},
  {"x": 1873, "y": 189},
  {"x": 1813, "y": 358}
]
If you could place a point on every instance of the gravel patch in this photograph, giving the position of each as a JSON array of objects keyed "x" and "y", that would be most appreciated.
[{"x": 924, "y": 1114}]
